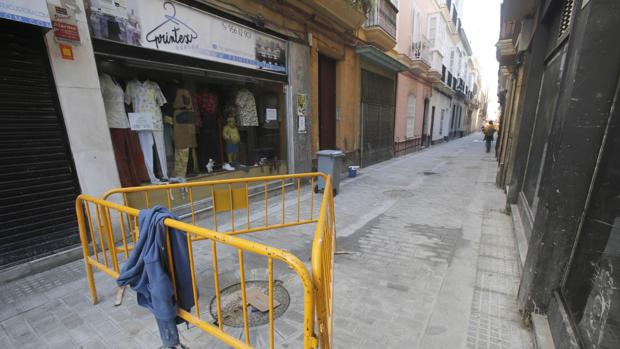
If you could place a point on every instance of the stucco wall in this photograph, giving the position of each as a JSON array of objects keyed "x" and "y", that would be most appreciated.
[
  {"x": 408, "y": 84},
  {"x": 299, "y": 144},
  {"x": 348, "y": 94},
  {"x": 80, "y": 98}
]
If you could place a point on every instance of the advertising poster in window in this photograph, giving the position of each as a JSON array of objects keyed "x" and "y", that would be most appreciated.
[{"x": 174, "y": 27}]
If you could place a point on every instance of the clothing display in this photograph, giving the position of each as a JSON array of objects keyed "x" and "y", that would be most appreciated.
[
  {"x": 208, "y": 104},
  {"x": 114, "y": 102},
  {"x": 184, "y": 130},
  {"x": 184, "y": 117},
  {"x": 147, "y": 138},
  {"x": 129, "y": 158},
  {"x": 181, "y": 156},
  {"x": 194, "y": 118},
  {"x": 246, "y": 108},
  {"x": 146, "y": 97}
]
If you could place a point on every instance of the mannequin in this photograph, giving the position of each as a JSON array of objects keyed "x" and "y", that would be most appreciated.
[
  {"x": 184, "y": 130},
  {"x": 146, "y": 97},
  {"x": 128, "y": 156},
  {"x": 230, "y": 133}
]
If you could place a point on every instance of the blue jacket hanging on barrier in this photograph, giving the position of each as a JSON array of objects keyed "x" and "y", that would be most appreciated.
[{"x": 146, "y": 271}]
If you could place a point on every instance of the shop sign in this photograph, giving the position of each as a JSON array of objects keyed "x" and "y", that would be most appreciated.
[
  {"x": 174, "y": 27},
  {"x": 65, "y": 26},
  {"x": 66, "y": 52},
  {"x": 26, "y": 11}
]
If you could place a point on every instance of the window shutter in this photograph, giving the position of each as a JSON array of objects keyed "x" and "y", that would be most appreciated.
[
  {"x": 411, "y": 101},
  {"x": 565, "y": 20},
  {"x": 432, "y": 30}
]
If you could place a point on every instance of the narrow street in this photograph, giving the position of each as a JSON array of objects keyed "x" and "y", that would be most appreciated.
[
  {"x": 429, "y": 259},
  {"x": 425, "y": 259}
]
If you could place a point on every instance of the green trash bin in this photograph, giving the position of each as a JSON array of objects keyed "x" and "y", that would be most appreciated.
[{"x": 330, "y": 163}]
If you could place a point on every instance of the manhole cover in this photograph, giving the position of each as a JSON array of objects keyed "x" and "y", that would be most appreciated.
[
  {"x": 232, "y": 311},
  {"x": 398, "y": 193}
]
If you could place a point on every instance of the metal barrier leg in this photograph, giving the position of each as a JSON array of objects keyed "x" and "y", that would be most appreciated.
[{"x": 84, "y": 239}]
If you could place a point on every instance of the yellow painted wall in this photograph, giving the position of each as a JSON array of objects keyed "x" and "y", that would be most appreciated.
[
  {"x": 327, "y": 40},
  {"x": 348, "y": 94}
]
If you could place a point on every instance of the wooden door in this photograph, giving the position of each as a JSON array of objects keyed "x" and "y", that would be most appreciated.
[{"x": 327, "y": 103}]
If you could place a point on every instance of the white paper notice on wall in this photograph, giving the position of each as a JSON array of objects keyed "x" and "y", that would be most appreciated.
[
  {"x": 271, "y": 114},
  {"x": 141, "y": 121},
  {"x": 302, "y": 124}
]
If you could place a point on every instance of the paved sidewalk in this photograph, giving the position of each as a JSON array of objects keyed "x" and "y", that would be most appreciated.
[{"x": 426, "y": 260}]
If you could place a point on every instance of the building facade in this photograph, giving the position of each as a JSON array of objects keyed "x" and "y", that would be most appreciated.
[
  {"x": 139, "y": 91},
  {"x": 458, "y": 89},
  {"x": 558, "y": 162},
  {"x": 438, "y": 96}
]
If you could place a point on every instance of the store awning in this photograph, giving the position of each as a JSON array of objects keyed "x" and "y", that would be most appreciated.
[{"x": 379, "y": 57}]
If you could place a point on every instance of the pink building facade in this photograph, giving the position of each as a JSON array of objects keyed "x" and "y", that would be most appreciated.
[{"x": 414, "y": 88}]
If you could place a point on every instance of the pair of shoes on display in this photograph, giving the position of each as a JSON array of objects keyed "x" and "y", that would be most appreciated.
[
  {"x": 227, "y": 167},
  {"x": 158, "y": 181}
]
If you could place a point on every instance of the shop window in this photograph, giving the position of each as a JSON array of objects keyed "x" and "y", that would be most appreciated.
[
  {"x": 592, "y": 288},
  {"x": 194, "y": 125}
]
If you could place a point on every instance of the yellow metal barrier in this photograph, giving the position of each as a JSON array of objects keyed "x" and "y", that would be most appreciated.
[{"x": 108, "y": 230}]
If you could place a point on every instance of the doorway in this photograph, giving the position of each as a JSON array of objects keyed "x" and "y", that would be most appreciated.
[
  {"x": 425, "y": 136},
  {"x": 430, "y": 137},
  {"x": 378, "y": 99},
  {"x": 327, "y": 103}
]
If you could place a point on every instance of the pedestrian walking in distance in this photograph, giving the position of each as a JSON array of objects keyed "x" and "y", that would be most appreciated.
[{"x": 489, "y": 131}]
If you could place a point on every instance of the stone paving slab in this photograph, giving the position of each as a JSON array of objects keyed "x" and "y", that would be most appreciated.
[{"x": 427, "y": 261}]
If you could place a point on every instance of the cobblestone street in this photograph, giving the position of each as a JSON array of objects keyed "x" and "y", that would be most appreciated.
[{"x": 426, "y": 258}]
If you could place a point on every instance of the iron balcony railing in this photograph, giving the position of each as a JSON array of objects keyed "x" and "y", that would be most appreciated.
[
  {"x": 383, "y": 15},
  {"x": 420, "y": 50}
]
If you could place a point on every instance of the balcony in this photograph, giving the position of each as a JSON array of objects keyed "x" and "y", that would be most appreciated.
[
  {"x": 421, "y": 56},
  {"x": 349, "y": 14},
  {"x": 435, "y": 73},
  {"x": 506, "y": 46},
  {"x": 445, "y": 6},
  {"x": 445, "y": 83},
  {"x": 380, "y": 26}
]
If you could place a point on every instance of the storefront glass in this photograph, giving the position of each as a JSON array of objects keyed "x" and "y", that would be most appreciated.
[
  {"x": 169, "y": 121},
  {"x": 592, "y": 289}
]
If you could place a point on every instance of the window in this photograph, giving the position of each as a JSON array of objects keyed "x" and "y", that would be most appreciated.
[
  {"x": 411, "y": 104},
  {"x": 452, "y": 59},
  {"x": 565, "y": 19},
  {"x": 416, "y": 25},
  {"x": 432, "y": 30}
]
